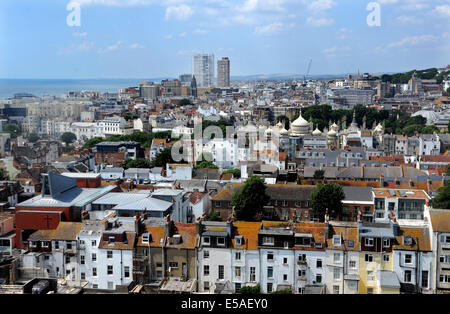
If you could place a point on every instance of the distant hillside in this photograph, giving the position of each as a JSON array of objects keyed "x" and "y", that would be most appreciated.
[{"x": 403, "y": 78}]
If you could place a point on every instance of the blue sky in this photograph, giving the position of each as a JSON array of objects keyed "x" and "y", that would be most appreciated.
[{"x": 156, "y": 38}]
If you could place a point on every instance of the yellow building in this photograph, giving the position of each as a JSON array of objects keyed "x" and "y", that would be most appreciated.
[{"x": 376, "y": 259}]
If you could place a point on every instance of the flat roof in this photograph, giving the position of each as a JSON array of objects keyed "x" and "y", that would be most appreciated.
[
  {"x": 73, "y": 197},
  {"x": 400, "y": 193},
  {"x": 81, "y": 175}
]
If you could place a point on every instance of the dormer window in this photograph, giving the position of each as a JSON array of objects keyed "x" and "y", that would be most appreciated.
[
  {"x": 337, "y": 240},
  {"x": 206, "y": 240},
  {"x": 45, "y": 244},
  {"x": 33, "y": 243},
  {"x": 386, "y": 243},
  {"x": 146, "y": 237},
  {"x": 238, "y": 240},
  {"x": 368, "y": 241},
  {"x": 407, "y": 240},
  {"x": 111, "y": 239},
  {"x": 268, "y": 241},
  {"x": 220, "y": 241}
]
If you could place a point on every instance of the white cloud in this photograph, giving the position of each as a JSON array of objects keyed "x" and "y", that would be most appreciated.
[
  {"x": 262, "y": 5},
  {"x": 182, "y": 35},
  {"x": 200, "y": 31},
  {"x": 343, "y": 33},
  {"x": 85, "y": 46},
  {"x": 321, "y": 5},
  {"x": 111, "y": 48},
  {"x": 387, "y": 1},
  {"x": 319, "y": 22},
  {"x": 168, "y": 37},
  {"x": 335, "y": 51},
  {"x": 442, "y": 10},
  {"x": 136, "y": 46},
  {"x": 408, "y": 19},
  {"x": 181, "y": 12},
  {"x": 412, "y": 41},
  {"x": 272, "y": 28},
  {"x": 211, "y": 11},
  {"x": 77, "y": 34},
  {"x": 116, "y": 3}
]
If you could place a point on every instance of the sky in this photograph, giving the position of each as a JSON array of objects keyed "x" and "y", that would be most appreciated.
[{"x": 157, "y": 38}]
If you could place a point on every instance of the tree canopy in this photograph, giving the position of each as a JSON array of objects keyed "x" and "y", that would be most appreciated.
[
  {"x": 137, "y": 163},
  {"x": 33, "y": 137},
  {"x": 328, "y": 196},
  {"x": 214, "y": 216},
  {"x": 251, "y": 199},
  {"x": 236, "y": 172},
  {"x": 403, "y": 78},
  {"x": 145, "y": 138},
  {"x": 184, "y": 102},
  {"x": 222, "y": 124},
  {"x": 163, "y": 158},
  {"x": 13, "y": 129},
  {"x": 319, "y": 174},
  {"x": 3, "y": 175},
  {"x": 68, "y": 138},
  {"x": 442, "y": 200}
]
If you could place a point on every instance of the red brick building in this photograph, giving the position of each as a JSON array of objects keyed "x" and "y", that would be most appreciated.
[{"x": 61, "y": 199}]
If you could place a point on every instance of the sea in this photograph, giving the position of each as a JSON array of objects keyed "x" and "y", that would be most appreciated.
[{"x": 57, "y": 87}]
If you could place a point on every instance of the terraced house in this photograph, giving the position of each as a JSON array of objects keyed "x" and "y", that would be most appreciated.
[{"x": 286, "y": 202}]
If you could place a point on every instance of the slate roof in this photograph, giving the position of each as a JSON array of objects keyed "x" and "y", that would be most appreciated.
[
  {"x": 356, "y": 193},
  {"x": 376, "y": 230},
  {"x": 388, "y": 279}
]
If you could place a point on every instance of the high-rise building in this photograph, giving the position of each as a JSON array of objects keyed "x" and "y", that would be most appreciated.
[
  {"x": 194, "y": 87},
  {"x": 223, "y": 72},
  {"x": 185, "y": 79},
  {"x": 149, "y": 90},
  {"x": 203, "y": 69}
]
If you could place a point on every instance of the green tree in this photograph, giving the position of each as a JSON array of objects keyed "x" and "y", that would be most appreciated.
[
  {"x": 430, "y": 129},
  {"x": 411, "y": 129},
  {"x": 12, "y": 129},
  {"x": 214, "y": 216},
  {"x": 93, "y": 142},
  {"x": 251, "y": 199},
  {"x": 68, "y": 138},
  {"x": 184, "y": 102},
  {"x": 163, "y": 158},
  {"x": 250, "y": 290},
  {"x": 447, "y": 170},
  {"x": 328, "y": 196},
  {"x": 236, "y": 172},
  {"x": 282, "y": 118},
  {"x": 205, "y": 165},
  {"x": 319, "y": 174},
  {"x": 283, "y": 292},
  {"x": 137, "y": 163},
  {"x": 33, "y": 137},
  {"x": 442, "y": 200},
  {"x": 3, "y": 175}
]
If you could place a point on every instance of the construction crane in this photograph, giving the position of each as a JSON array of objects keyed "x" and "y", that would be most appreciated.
[{"x": 308, "y": 70}]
